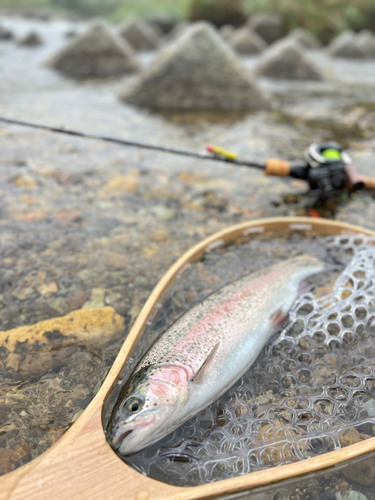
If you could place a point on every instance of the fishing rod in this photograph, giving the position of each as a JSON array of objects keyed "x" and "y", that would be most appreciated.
[
  {"x": 136, "y": 144},
  {"x": 327, "y": 167}
]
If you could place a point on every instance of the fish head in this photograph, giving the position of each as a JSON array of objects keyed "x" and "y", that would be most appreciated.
[{"x": 147, "y": 408}]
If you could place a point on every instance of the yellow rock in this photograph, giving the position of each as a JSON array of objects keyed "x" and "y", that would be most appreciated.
[
  {"x": 25, "y": 182},
  {"x": 30, "y": 347},
  {"x": 119, "y": 185}
]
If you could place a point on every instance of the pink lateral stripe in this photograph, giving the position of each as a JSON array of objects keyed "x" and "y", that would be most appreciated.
[{"x": 220, "y": 310}]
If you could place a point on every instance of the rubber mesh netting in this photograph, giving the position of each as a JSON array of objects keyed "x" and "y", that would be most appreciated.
[{"x": 312, "y": 390}]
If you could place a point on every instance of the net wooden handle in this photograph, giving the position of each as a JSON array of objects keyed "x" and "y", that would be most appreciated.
[{"x": 280, "y": 168}]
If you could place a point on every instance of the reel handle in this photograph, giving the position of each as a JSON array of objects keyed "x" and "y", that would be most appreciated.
[
  {"x": 369, "y": 182},
  {"x": 280, "y": 168}
]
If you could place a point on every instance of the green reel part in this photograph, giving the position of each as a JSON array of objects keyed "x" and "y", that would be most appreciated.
[{"x": 332, "y": 154}]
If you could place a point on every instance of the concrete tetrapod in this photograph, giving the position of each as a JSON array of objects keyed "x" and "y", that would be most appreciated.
[
  {"x": 96, "y": 53},
  {"x": 139, "y": 34},
  {"x": 197, "y": 72},
  {"x": 286, "y": 60},
  {"x": 246, "y": 41}
]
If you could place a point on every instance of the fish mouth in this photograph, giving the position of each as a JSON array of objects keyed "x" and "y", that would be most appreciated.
[
  {"x": 121, "y": 438},
  {"x": 118, "y": 440}
]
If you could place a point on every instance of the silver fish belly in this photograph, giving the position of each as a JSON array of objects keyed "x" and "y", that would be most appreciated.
[{"x": 204, "y": 353}]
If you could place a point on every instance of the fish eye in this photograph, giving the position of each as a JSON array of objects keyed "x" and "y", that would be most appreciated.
[{"x": 133, "y": 405}]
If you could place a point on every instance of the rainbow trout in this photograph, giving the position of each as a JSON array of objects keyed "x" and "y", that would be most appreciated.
[{"x": 204, "y": 353}]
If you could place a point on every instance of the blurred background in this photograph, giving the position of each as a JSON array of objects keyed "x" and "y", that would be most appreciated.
[{"x": 325, "y": 18}]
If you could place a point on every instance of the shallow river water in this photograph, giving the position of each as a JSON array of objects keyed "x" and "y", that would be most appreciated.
[{"x": 87, "y": 224}]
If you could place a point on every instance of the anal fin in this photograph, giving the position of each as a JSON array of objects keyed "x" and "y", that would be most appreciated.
[{"x": 199, "y": 376}]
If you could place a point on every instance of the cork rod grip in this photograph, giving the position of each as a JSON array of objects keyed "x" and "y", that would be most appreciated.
[
  {"x": 368, "y": 181},
  {"x": 280, "y": 168}
]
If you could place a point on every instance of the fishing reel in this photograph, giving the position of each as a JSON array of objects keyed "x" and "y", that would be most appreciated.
[{"x": 328, "y": 171}]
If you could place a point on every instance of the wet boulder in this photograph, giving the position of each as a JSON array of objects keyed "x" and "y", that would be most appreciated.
[
  {"x": 139, "y": 34},
  {"x": 305, "y": 38},
  {"x": 366, "y": 40},
  {"x": 5, "y": 34},
  {"x": 29, "y": 348},
  {"x": 246, "y": 41},
  {"x": 96, "y": 53},
  {"x": 286, "y": 60},
  {"x": 269, "y": 27},
  {"x": 32, "y": 39},
  {"x": 347, "y": 45},
  {"x": 198, "y": 72}
]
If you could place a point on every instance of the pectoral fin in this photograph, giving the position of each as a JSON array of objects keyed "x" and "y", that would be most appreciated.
[
  {"x": 199, "y": 376},
  {"x": 278, "y": 317}
]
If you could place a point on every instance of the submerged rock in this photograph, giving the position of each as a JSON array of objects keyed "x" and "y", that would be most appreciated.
[
  {"x": 285, "y": 60},
  {"x": 362, "y": 471},
  {"x": 269, "y": 27},
  {"x": 347, "y": 45},
  {"x": 246, "y": 41},
  {"x": 198, "y": 71},
  {"x": 139, "y": 34},
  {"x": 366, "y": 40},
  {"x": 96, "y": 53},
  {"x": 5, "y": 34},
  {"x": 29, "y": 348},
  {"x": 305, "y": 38},
  {"x": 32, "y": 39}
]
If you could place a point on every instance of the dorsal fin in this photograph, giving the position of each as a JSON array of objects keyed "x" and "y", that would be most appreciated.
[{"x": 199, "y": 376}]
